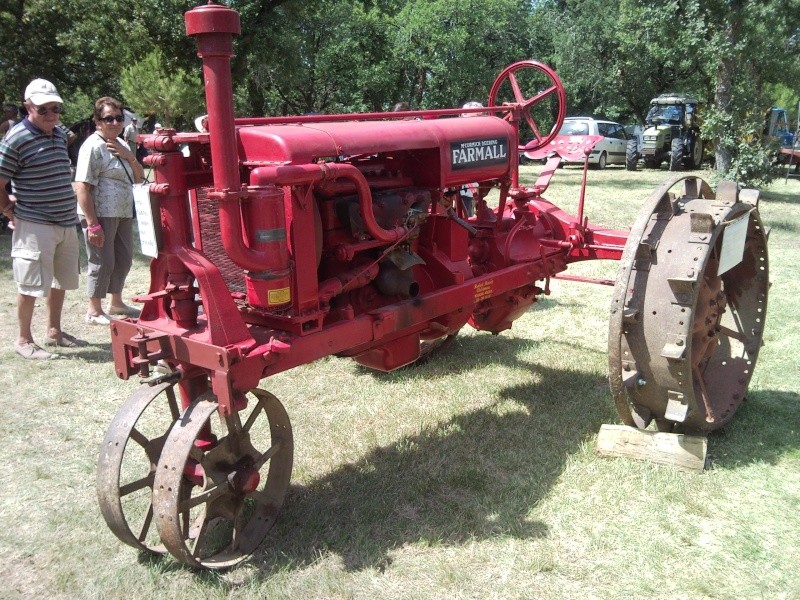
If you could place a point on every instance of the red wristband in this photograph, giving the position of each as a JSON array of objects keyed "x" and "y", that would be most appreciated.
[{"x": 94, "y": 228}]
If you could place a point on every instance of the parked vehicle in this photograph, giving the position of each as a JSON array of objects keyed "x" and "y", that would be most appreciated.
[
  {"x": 672, "y": 134},
  {"x": 610, "y": 150}
]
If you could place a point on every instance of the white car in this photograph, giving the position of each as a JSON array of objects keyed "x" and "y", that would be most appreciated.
[{"x": 608, "y": 151}]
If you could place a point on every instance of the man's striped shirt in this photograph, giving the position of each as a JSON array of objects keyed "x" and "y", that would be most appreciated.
[{"x": 39, "y": 169}]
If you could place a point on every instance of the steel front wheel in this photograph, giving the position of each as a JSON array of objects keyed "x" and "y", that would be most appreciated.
[
  {"x": 127, "y": 464},
  {"x": 217, "y": 496},
  {"x": 688, "y": 310},
  {"x": 538, "y": 92}
]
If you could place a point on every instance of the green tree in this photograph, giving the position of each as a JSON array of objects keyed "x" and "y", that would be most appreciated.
[
  {"x": 615, "y": 56},
  {"x": 329, "y": 56},
  {"x": 151, "y": 87},
  {"x": 449, "y": 51},
  {"x": 748, "y": 46}
]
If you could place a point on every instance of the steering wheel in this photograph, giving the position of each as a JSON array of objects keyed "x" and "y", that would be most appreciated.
[{"x": 510, "y": 73}]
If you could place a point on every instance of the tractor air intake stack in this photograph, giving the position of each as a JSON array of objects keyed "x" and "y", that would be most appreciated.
[
  {"x": 265, "y": 254},
  {"x": 214, "y": 26}
]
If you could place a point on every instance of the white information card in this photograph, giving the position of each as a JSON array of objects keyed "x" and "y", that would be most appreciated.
[
  {"x": 733, "y": 241},
  {"x": 144, "y": 217}
]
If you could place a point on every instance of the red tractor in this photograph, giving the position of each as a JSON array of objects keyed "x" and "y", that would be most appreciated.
[{"x": 283, "y": 240}]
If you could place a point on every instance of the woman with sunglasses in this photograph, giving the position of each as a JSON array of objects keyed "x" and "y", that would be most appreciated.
[{"x": 104, "y": 178}]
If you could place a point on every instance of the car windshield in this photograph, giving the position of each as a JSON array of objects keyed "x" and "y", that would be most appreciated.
[
  {"x": 664, "y": 112},
  {"x": 574, "y": 128}
]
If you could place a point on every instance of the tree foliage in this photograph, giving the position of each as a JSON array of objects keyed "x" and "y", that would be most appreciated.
[
  {"x": 152, "y": 88},
  {"x": 613, "y": 56}
]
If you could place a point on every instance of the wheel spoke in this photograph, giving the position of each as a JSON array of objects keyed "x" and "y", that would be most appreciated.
[
  {"x": 139, "y": 438},
  {"x": 197, "y": 545},
  {"x": 186, "y": 523},
  {"x": 134, "y": 486},
  {"x": 205, "y": 496},
  {"x": 173, "y": 404},
  {"x": 235, "y": 434},
  {"x": 736, "y": 335},
  {"x": 148, "y": 520},
  {"x": 512, "y": 79},
  {"x": 260, "y": 497},
  {"x": 700, "y": 379},
  {"x": 534, "y": 127},
  {"x": 266, "y": 456},
  {"x": 239, "y": 525},
  {"x": 539, "y": 97},
  {"x": 196, "y": 454},
  {"x": 254, "y": 415}
]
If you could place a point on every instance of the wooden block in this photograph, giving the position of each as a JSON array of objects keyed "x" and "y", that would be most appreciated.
[{"x": 684, "y": 452}]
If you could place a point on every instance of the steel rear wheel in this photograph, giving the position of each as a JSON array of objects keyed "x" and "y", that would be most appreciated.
[
  {"x": 683, "y": 336},
  {"x": 127, "y": 465},
  {"x": 216, "y": 497}
]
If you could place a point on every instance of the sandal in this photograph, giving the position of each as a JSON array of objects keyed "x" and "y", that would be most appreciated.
[
  {"x": 125, "y": 311},
  {"x": 32, "y": 351},
  {"x": 98, "y": 320},
  {"x": 65, "y": 340}
]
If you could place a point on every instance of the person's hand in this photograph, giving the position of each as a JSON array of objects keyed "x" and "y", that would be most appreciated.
[
  {"x": 96, "y": 237},
  {"x": 8, "y": 213},
  {"x": 120, "y": 150}
]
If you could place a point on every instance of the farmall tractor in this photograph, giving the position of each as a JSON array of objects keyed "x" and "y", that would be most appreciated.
[{"x": 283, "y": 240}]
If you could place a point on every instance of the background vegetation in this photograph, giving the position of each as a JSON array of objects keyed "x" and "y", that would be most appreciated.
[
  {"x": 471, "y": 476},
  {"x": 326, "y": 56}
]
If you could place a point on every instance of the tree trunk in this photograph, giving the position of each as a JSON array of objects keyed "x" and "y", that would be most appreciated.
[
  {"x": 723, "y": 93},
  {"x": 723, "y": 89}
]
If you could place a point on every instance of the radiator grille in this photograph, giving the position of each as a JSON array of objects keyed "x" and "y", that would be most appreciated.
[{"x": 211, "y": 242}]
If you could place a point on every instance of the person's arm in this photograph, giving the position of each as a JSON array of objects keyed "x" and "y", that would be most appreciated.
[
  {"x": 123, "y": 152},
  {"x": 95, "y": 233},
  {"x": 6, "y": 206}
]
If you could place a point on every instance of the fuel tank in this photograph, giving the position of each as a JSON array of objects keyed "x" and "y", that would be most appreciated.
[{"x": 441, "y": 153}]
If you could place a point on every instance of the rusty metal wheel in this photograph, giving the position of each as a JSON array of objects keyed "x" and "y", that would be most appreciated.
[
  {"x": 210, "y": 510},
  {"x": 125, "y": 471},
  {"x": 688, "y": 310},
  {"x": 532, "y": 85}
]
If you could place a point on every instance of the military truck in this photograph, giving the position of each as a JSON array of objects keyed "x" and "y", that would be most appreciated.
[{"x": 672, "y": 134}]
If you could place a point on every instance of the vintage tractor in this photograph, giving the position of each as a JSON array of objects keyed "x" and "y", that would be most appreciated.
[
  {"x": 780, "y": 139},
  {"x": 283, "y": 240},
  {"x": 672, "y": 134}
]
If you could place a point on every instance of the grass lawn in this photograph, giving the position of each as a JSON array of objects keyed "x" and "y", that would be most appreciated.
[{"x": 471, "y": 476}]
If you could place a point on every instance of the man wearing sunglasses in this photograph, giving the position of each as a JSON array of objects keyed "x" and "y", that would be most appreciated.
[{"x": 44, "y": 247}]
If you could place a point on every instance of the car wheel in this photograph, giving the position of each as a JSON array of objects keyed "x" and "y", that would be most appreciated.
[
  {"x": 631, "y": 156},
  {"x": 676, "y": 155},
  {"x": 601, "y": 162}
]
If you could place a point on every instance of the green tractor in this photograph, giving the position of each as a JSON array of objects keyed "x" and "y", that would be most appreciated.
[{"x": 672, "y": 134}]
